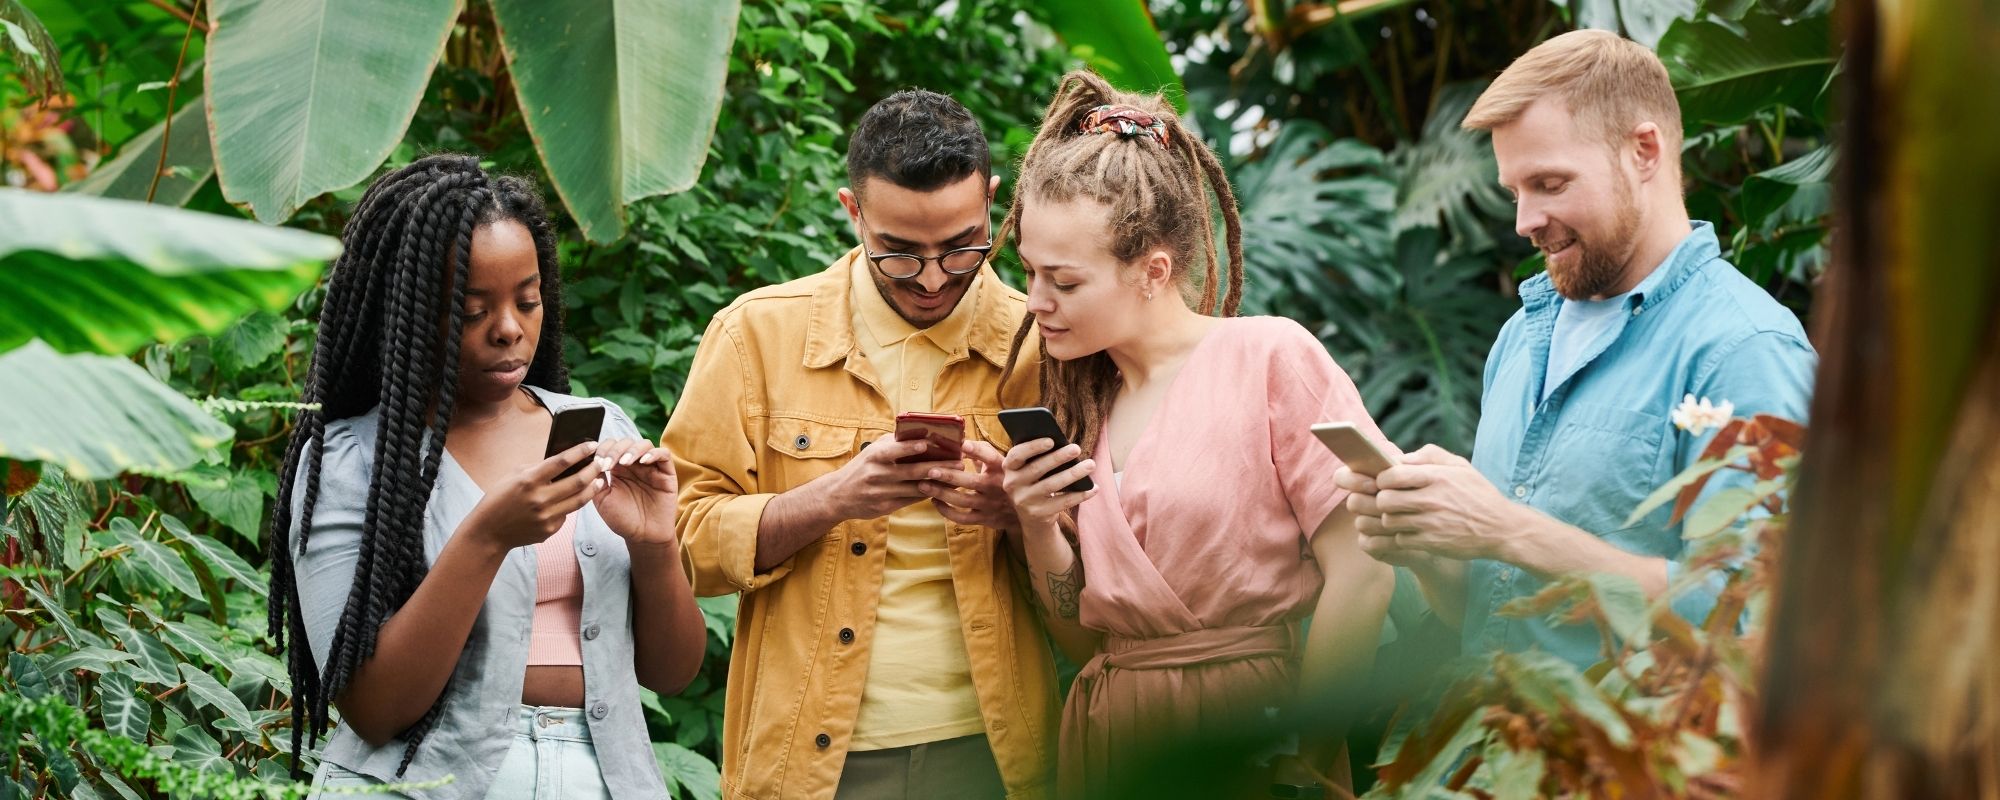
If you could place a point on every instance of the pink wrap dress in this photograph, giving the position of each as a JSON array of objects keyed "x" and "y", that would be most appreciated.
[{"x": 1197, "y": 569}]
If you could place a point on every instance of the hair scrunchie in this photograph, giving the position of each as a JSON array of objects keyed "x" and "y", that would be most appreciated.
[{"x": 1125, "y": 122}]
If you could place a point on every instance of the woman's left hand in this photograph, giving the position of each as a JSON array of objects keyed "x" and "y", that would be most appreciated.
[{"x": 638, "y": 501}]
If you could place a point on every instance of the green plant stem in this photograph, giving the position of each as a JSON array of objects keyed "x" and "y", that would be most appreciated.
[{"x": 173, "y": 89}]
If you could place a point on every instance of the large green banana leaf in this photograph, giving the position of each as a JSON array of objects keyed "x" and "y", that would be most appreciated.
[
  {"x": 1117, "y": 38},
  {"x": 308, "y": 96},
  {"x": 89, "y": 274},
  {"x": 621, "y": 96},
  {"x": 97, "y": 416}
]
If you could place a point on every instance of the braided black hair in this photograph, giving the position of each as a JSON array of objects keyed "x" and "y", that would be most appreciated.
[{"x": 380, "y": 345}]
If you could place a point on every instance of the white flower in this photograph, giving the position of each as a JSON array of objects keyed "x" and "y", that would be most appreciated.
[{"x": 1697, "y": 417}]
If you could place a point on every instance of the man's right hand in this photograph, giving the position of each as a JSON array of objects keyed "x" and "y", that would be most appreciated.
[
  {"x": 1376, "y": 540},
  {"x": 872, "y": 484}
]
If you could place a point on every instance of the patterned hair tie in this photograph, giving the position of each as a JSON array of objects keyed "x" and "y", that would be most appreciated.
[{"x": 1125, "y": 122}]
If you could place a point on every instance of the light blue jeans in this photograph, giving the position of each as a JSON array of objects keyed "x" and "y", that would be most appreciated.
[{"x": 552, "y": 759}]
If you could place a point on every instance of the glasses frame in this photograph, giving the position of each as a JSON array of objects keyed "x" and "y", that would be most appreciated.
[{"x": 985, "y": 252}]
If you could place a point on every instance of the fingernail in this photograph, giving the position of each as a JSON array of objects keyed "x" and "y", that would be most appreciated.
[
  {"x": 1087, "y": 464},
  {"x": 936, "y": 474},
  {"x": 922, "y": 446},
  {"x": 626, "y": 459},
  {"x": 646, "y": 459},
  {"x": 590, "y": 447}
]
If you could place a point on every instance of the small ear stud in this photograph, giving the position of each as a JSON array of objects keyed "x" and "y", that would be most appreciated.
[{"x": 1149, "y": 295}]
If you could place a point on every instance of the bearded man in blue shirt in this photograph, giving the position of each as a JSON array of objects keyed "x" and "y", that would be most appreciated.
[{"x": 1636, "y": 312}]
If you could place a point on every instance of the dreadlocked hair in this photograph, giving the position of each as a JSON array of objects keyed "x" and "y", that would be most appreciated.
[
  {"x": 388, "y": 340},
  {"x": 1156, "y": 178}
]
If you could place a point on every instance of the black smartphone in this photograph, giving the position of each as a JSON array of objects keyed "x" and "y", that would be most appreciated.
[
  {"x": 574, "y": 426},
  {"x": 1029, "y": 424}
]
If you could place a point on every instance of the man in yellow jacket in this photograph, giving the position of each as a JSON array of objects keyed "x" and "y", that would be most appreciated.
[{"x": 885, "y": 647}]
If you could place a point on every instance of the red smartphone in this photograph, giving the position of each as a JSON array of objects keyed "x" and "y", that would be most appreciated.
[{"x": 946, "y": 433}]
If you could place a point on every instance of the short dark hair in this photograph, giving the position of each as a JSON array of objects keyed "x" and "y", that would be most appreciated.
[{"x": 919, "y": 140}]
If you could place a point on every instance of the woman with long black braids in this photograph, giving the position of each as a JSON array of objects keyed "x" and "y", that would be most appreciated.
[{"x": 470, "y": 614}]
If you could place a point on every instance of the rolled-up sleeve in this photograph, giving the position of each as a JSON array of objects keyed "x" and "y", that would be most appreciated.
[
  {"x": 715, "y": 457},
  {"x": 1769, "y": 372},
  {"x": 324, "y": 570}
]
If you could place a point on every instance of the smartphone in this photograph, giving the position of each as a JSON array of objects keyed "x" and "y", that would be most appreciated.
[
  {"x": 946, "y": 433},
  {"x": 1028, "y": 424},
  {"x": 1355, "y": 449},
  {"x": 574, "y": 426}
]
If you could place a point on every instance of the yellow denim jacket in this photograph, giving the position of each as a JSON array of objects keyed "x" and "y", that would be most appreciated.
[{"x": 780, "y": 395}]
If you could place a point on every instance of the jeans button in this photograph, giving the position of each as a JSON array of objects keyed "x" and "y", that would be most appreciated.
[
  {"x": 858, "y": 548},
  {"x": 823, "y": 741},
  {"x": 846, "y": 635},
  {"x": 599, "y": 711}
]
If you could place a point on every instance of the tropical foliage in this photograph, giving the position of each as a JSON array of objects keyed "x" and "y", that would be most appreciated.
[
  {"x": 1666, "y": 708},
  {"x": 140, "y": 435}
]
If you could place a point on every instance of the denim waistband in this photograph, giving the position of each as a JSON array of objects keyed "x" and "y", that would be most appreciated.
[{"x": 552, "y": 722}]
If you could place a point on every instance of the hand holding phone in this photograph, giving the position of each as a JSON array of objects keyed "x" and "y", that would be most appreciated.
[
  {"x": 945, "y": 432},
  {"x": 1354, "y": 448},
  {"x": 1028, "y": 424}
]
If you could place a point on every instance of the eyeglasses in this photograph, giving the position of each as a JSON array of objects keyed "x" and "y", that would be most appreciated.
[{"x": 904, "y": 266}]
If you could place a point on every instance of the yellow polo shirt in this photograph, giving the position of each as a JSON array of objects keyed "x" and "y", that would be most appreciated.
[{"x": 919, "y": 686}]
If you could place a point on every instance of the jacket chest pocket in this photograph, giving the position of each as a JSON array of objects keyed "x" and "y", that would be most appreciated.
[{"x": 800, "y": 450}]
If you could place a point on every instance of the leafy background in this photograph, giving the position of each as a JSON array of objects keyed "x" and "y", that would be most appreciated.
[{"x": 132, "y": 604}]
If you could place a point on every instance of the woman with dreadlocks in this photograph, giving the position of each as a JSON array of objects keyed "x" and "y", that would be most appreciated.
[
  {"x": 1214, "y": 521},
  {"x": 471, "y": 614}
]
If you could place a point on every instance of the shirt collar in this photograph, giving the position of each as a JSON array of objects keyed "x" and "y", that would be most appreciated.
[
  {"x": 887, "y": 326},
  {"x": 1695, "y": 249},
  {"x": 982, "y": 322}
]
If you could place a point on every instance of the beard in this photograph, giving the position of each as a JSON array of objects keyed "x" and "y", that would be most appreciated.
[
  {"x": 1600, "y": 261},
  {"x": 954, "y": 287}
]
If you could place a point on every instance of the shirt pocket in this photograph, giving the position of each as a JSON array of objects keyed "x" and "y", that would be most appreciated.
[
  {"x": 1602, "y": 463},
  {"x": 802, "y": 450}
]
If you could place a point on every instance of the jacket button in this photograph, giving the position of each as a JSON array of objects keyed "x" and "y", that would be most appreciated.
[
  {"x": 802, "y": 442},
  {"x": 824, "y": 741},
  {"x": 858, "y": 547},
  {"x": 846, "y": 635},
  {"x": 599, "y": 711},
  {"x": 590, "y": 632},
  {"x": 589, "y": 548}
]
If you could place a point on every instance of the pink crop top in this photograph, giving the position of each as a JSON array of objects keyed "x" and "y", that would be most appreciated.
[{"x": 553, "y": 640}]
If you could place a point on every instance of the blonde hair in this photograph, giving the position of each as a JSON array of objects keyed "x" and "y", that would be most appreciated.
[
  {"x": 1156, "y": 177},
  {"x": 1610, "y": 85}
]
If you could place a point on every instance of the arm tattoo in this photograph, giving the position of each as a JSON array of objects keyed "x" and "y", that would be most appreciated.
[{"x": 1063, "y": 590}]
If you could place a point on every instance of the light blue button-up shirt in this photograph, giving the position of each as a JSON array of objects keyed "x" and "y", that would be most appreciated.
[{"x": 1602, "y": 440}]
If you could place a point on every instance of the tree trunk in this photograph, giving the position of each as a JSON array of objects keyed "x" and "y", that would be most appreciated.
[{"x": 1883, "y": 674}]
